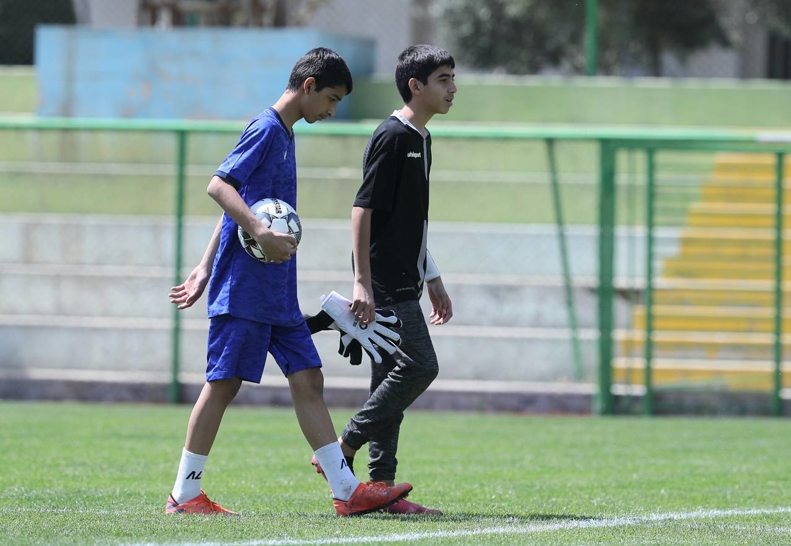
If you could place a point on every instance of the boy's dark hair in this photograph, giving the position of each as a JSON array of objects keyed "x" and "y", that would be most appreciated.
[
  {"x": 325, "y": 66},
  {"x": 418, "y": 62}
]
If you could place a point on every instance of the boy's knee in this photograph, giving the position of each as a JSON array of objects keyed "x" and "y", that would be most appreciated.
[
  {"x": 225, "y": 389},
  {"x": 307, "y": 382},
  {"x": 427, "y": 372}
]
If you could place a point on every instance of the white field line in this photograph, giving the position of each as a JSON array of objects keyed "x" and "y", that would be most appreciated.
[
  {"x": 533, "y": 528},
  {"x": 507, "y": 530}
]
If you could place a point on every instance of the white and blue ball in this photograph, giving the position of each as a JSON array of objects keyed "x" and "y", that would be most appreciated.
[{"x": 278, "y": 216}]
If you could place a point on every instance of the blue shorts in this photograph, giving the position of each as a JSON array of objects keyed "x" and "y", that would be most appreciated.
[{"x": 238, "y": 348}]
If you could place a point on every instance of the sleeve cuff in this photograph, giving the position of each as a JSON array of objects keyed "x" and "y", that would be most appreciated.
[{"x": 228, "y": 179}]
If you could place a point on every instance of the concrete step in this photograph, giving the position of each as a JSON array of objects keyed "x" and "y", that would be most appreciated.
[
  {"x": 717, "y": 297},
  {"x": 144, "y": 345},
  {"x": 748, "y": 375},
  {"x": 472, "y": 249},
  {"x": 709, "y": 319},
  {"x": 724, "y": 269},
  {"x": 747, "y": 244},
  {"x": 731, "y": 252},
  {"x": 717, "y": 192},
  {"x": 702, "y": 345},
  {"x": 106, "y": 291},
  {"x": 730, "y": 215},
  {"x": 748, "y": 166}
]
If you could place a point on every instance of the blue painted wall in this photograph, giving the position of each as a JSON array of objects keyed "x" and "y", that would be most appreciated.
[{"x": 183, "y": 73}]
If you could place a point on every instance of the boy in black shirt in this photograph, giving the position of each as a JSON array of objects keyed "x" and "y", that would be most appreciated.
[{"x": 392, "y": 263}]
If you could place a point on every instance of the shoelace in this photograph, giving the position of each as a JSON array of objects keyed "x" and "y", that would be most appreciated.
[
  {"x": 206, "y": 502},
  {"x": 214, "y": 506},
  {"x": 380, "y": 485}
]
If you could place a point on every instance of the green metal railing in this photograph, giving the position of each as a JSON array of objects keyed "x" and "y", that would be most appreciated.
[
  {"x": 610, "y": 140},
  {"x": 778, "y": 143}
]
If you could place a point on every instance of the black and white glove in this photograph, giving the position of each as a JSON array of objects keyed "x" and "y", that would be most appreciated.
[
  {"x": 336, "y": 314},
  {"x": 373, "y": 338},
  {"x": 352, "y": 348}
]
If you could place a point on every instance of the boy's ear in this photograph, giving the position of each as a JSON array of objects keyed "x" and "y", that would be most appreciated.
[
  {"x": 309, "y": 85},
  {"x": 414, "y": 85}
]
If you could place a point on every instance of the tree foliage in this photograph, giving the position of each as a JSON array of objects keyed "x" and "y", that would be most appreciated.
[
  {"x": 776, "y": 15},
  {"x": 525, "y": 36},
  {"x": 18, "y": 20},
  {"x": 517, "y": 37}
]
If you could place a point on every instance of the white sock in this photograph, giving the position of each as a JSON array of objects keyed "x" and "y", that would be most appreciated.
[
  {"x": 189, "y": 475},
  {"x": 333, "y": 463}
]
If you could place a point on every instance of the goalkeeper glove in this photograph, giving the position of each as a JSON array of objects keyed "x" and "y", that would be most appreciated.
[
  {"x": 353, "y": 350},
  {"x": 370, "y": 337}
]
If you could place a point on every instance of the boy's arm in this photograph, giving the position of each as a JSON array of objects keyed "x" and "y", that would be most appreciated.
[
  {"x": 278, "y": 247},
  {"x": 190, "y": 291},
  {"x": 363, "y": 305},
  {"x": 441, "y": 306}
]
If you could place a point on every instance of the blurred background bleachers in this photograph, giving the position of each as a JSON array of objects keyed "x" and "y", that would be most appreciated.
[{"x": 87, "y": 241}]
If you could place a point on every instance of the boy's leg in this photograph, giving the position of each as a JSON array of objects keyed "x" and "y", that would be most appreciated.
[
  {"x": 383, "y": 445},
  {"x": 307, "y": 394},
  {"x": 297, "y": 357},
  {"x": 202, "y": 429},
  {"x": 395, "y": 385},
  {"x": 208, "y": 412},
  {"x": 236, "y": 351}
]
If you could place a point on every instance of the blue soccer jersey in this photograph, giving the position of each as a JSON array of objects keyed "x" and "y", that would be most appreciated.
[{"x": 262, "y": 165}]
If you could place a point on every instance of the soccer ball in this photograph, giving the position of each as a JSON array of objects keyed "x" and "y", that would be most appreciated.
[{"x": 278, "y": 216}]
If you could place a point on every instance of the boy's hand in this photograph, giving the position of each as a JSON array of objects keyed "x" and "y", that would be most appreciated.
[
  {"x": 277, "y": 247},
  {"x": 190, "y": 291},
  {"x": 363, "y": 306},
  {"x": 441, "y": 306}
]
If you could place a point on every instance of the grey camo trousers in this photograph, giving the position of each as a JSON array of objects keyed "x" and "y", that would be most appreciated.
[{"x": 395, "y": 384}]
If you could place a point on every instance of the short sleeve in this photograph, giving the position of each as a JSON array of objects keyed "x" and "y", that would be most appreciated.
[
  {"x": 247, "y": 154},
  {"x": 380, "y": 172}
]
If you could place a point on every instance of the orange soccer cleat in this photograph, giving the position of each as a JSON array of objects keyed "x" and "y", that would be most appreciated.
[
  {"x": 369, "y": 497},
  {"x": 199, "y": 505},
  {"x": 401, "y": 506}
]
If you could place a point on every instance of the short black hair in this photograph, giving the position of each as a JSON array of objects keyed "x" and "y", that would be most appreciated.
[
  {"x": 325, "y": 66},
  {"x": 419, "y": 61}
]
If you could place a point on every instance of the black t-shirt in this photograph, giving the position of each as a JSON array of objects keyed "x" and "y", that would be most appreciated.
[{"x": 395, "y": 185}]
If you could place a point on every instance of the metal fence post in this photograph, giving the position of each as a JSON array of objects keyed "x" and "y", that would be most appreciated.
[
  {"x": 648, "y": 400},
  {"x": 605, "y": 402},
  {"x": 174, "y": 393},
  {"x": 591, "y": 36},
  {"x": 777, "y": 402},
  {"x": 564, "y": 261}
]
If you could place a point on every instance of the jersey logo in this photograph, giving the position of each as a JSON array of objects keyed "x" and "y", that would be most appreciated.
[
  {"x": 416, "y": 155},
  {"x": 285, "y": 153}
]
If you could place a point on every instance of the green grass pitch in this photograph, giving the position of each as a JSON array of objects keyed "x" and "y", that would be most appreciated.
[{"x": 99, "y": 474}]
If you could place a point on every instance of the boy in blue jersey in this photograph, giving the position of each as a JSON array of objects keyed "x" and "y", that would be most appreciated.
[{"x": 253, "y": 306}]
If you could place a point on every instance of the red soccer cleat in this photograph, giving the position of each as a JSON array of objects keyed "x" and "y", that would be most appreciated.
[
  {"x": 199, "y": 505},
  {"x": 369, "y": 497}
]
